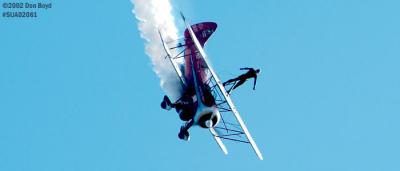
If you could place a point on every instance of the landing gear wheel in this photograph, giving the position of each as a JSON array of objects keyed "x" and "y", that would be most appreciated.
[
  {"x": 163, "y": 105},
  {"x": 166, "y": 103},
  {"x": 184, "y": 135}
]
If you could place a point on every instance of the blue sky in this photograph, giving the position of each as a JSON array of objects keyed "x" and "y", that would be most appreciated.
[{"x": 78, "y": 93}]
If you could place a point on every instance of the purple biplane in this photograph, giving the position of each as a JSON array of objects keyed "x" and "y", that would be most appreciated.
[{"x": 205, "y": 101}]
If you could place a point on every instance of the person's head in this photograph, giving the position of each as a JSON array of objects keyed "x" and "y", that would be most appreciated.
[{"x": 258, "y": 71}]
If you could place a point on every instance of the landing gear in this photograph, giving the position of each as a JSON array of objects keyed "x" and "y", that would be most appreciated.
[
  {"x": 166, "y": 103},
  {"x": 185, "y": 109},
  {"x": 184, "y": 134}
]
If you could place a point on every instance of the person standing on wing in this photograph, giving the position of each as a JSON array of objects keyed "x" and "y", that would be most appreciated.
[{"x": 251, "y": 73}]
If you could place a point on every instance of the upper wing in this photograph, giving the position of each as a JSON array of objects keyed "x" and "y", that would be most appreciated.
[{"x": 225, "y": 96}]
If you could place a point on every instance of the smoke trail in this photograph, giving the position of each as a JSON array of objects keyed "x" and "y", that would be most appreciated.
[{"x": 153, "y": 15}]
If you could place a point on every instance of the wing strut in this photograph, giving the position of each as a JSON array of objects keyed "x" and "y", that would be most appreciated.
[{"x": 170, "y": 57}]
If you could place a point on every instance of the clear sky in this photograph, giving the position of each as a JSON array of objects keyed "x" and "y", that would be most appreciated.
[{"x": 77, "y": 91}]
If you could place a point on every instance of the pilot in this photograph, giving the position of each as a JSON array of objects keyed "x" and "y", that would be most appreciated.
[{"x": 251, "y": 73}]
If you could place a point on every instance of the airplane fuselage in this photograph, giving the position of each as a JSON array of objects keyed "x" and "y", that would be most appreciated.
[{"x": 203, "y": 111}]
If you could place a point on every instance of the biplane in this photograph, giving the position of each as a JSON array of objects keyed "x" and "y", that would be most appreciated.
[{"x": 205, "y": 101}]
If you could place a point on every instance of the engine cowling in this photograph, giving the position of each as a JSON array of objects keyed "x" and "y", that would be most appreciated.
[{"x": 208, "y": 117}]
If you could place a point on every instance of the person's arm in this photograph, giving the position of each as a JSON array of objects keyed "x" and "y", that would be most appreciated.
[
  {"x": 255, "y": 82},
  {"x": 245, "y": 68}
]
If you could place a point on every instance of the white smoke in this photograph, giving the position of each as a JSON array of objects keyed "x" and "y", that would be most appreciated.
[{"x": 154, "y": 15}]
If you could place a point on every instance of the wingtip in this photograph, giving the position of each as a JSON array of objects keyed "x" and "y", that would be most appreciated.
[{"x": 260, "y": 156}]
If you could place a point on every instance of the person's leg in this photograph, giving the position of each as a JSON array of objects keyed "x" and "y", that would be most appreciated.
[
  {"x": 231, "y": 80},
  {"x": 239, "y": 83}
]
